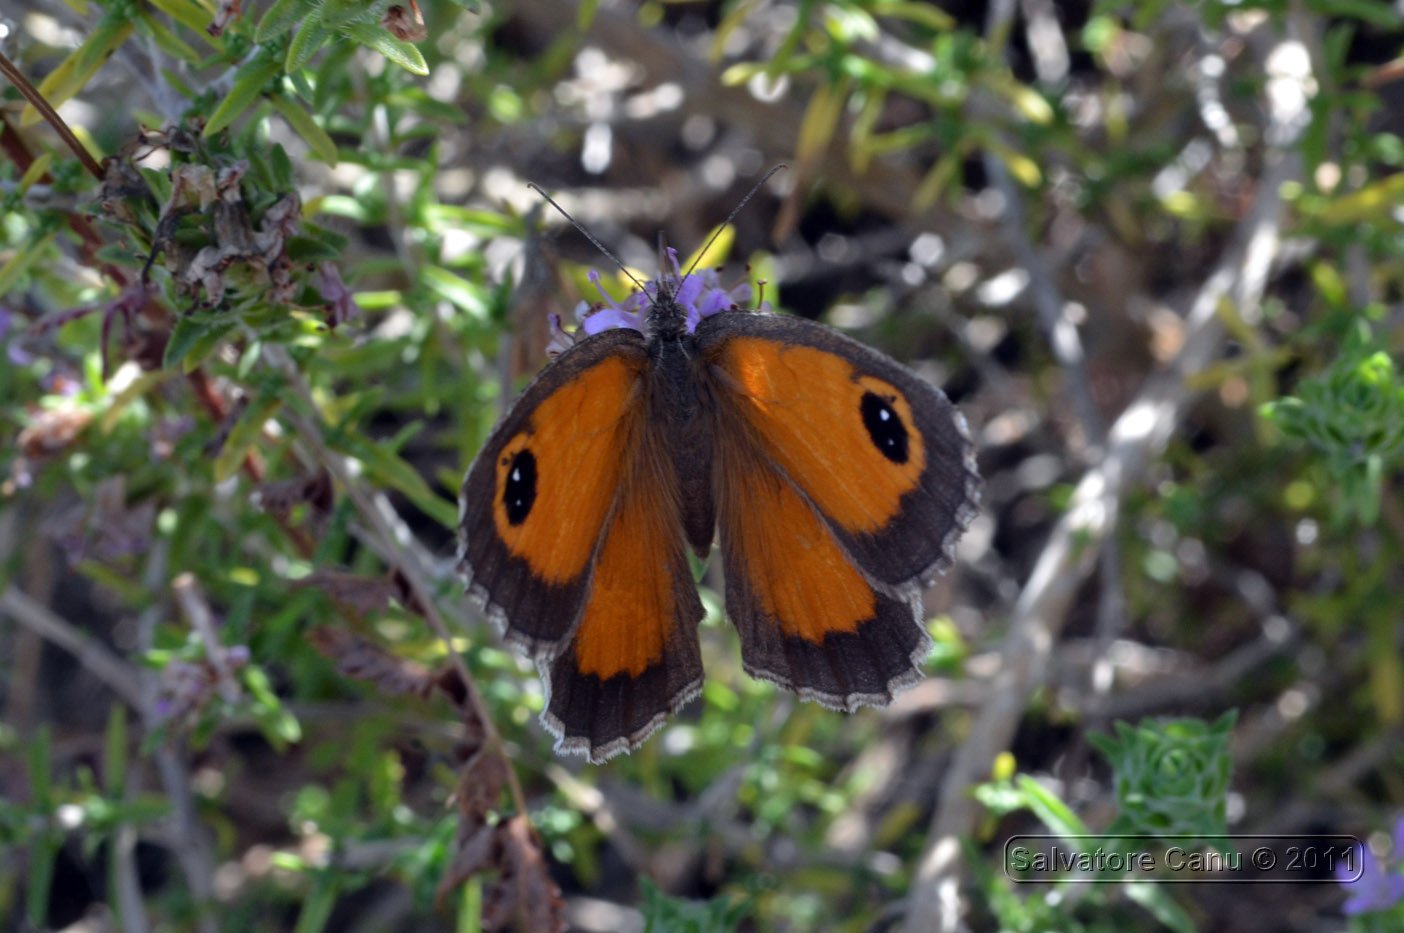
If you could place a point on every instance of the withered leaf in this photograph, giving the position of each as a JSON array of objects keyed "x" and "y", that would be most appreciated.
[
  {"x": 340, "y": 301},
  {"x": 228, "y": 11},
  {"x": 480, "y": 783},
  {"x": 525, "y": 889},
  {"x": 362, "y": 659},
  {"x": 367, "y": 595},
  {"x": 479, "y": 851},
  {"x": 279, "y": 498},
  {"x": 105, "y": 528},
  {"x": 52, "y": 431},
  {"x": 405, "y": 23}
]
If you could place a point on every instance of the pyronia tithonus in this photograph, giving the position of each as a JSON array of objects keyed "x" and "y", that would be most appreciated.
[{"x": 839, "y": 479}]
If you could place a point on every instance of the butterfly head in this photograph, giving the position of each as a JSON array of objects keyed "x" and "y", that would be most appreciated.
[{"x": 670, "y": 305}]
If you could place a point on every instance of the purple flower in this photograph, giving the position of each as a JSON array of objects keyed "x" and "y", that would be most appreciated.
[
  {"x": 1380, "y": 885},
  {"x": 700, "y": 294}
]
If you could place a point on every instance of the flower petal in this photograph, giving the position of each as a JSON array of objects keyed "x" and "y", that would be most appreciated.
[{"x": 610, "y": 319}]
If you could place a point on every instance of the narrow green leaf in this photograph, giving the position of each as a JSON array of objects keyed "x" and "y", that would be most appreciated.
[
  {"x": 114, "y": 757},
  {"x": 402, "y": 53},
  {"x": 1371, "y": 202},
  {"x": 1383, "y": 15},
  {"x": 20, "y": 262},
  {"x": 244, "y": 435},
  {"x": 927, "y": 14},
  {"x": 463, "y": 293},
  {"x": 1050, "y": 810},
  {"x": 305, "y": 125},
  {"x": 1159, "y": 905},
  {"x": 190, "y": 15},
  {"x": 192, "y": 339},
  {"x": 72, "y": 74},
  {"x": 386, "y": 468},
  {"x": 165, "y": 40},
  {"x": 280, "y": 18},
  {"x": 310, "y": 36},
  {"x": 249, "y": 84}
]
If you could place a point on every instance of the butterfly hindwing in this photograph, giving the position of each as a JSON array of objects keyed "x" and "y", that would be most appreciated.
[
  {"x": 535, "y": 501},
  {"x": 881, "y": 454},
  {"x": 634, "y": 659},
  {"x": 808, "y": 617}
]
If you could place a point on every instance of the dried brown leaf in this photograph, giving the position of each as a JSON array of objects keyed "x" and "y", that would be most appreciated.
[
  {"x": 105, "y": 528},
  {"x": 280, "y": 498},
  {"x": 480, "y": 783},
  {"x": 340, "y": 301},
  {"x": 366, "y": 595},
  {"x": 525, "y": 889},
  {"x": 405, "y": 23},
  {"x": 228, "y": 11},
  {"x": 52, "y": 431},
  {"x": 362, "y": 659},
  {"x": 478, "y": 851}
]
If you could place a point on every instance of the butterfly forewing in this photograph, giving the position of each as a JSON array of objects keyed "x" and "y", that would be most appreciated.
[
  {"x": 535, "y": 501},
  {"x": 882, "y": 454}
]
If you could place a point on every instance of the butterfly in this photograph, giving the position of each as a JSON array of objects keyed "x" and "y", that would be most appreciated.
[{"x": 838, "y": 479}]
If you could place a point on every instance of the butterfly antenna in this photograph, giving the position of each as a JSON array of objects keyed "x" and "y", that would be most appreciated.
[
  {"x": 591, "y": 237},
  {"x": 732, "y": 216}
]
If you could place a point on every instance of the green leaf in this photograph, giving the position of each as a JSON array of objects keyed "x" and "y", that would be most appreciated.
[
  {"x": 310, "y": 36},
  {"x": 1051, "y": 811},
  {"x": 20, "y": 261},
  {"x": 114, "y": 758},
  {"x": 402, "y": 53},
  {"x": 165, "y": 40},
  {"x": 248, "y": 86},
  {"x": 1383, "y": 15},
  {"x": 1371, "y": 203},
  {"x": 1159, "y": 905},
  {"x": 72, "y": 74},
  {"x": 456, "y": 289},
  {"x": 305, "y": 125},
  {"x": 280, "y": 18},
  {"x": 386, "y": 468},
  {"x": 190, "y": 15},
  {"x": 244, "y": 435},
  {"x": 192, "y": 339}
]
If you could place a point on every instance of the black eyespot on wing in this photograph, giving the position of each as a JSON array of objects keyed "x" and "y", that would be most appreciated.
[
  {"x": 519, "y": 492},
  {"x": 885, "y": 427}
]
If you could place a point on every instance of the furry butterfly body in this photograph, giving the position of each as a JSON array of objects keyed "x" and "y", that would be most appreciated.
[{"x": 839, "y": 482}]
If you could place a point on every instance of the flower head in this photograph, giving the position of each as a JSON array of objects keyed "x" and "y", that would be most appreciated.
[
  {"x": 1379, "y": 885},
  {"x": 700, "y": 294}
]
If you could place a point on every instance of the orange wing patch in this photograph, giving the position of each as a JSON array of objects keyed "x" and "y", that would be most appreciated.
[
  {"x": 849, "y": 441},
  {"x": 801, "y": 578},
  {"x": 808, "y": 618},
  {"x": 632, "y": 603},
  {"x": 572, "y": 442},
  {"x": 634, "y": 658}
]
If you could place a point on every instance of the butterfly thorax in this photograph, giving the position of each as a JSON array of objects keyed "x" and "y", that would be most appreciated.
[{"x": 667, "y": 319}]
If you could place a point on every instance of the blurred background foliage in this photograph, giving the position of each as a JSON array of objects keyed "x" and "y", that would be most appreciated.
[{"x": 261, "y": 307}]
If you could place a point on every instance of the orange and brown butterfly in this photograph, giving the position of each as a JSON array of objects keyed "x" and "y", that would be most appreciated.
[{"x": 838, "y": 479}]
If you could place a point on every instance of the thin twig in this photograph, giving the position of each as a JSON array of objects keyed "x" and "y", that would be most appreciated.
[
  {"x": 121, "y": 677},
  {"x": 1136, "y": 437},
  {"x": 196, "y": 610},
  {"x": 46, "y": 110},
  {"x": 187, "y": 838}
]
